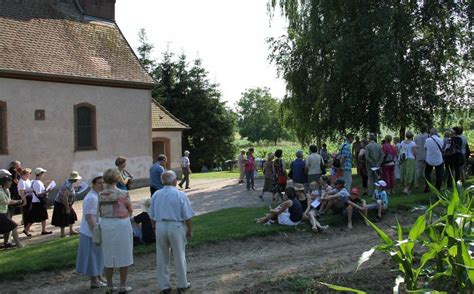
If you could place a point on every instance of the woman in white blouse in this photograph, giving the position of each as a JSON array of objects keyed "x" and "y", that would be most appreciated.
[
  {"x": 90, "y": 258},
  {"x": 39, "y": 212}
]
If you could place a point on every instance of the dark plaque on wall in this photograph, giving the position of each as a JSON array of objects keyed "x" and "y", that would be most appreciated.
[{"x": 39, "y": 114}]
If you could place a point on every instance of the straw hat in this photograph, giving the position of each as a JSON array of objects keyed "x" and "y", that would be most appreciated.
[{"x": 298, "y": 187}]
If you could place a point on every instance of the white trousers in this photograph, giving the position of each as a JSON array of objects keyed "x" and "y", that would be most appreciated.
[{"x": 171, "y": 235}]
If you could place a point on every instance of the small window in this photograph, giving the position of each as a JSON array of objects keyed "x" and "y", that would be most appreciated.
[
  {"x": 85, "y": 128},
  {"x": 3, "y": 128}
]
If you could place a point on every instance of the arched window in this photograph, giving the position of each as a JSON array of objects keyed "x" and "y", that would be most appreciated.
[
  {"x": 85, "y": 127},
  {"x": 3, "y": 128}
]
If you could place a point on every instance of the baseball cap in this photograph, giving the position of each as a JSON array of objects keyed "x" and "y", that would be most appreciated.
[
  {"x": 39, "y": 170},
  {"x": 4, "y": 173}
]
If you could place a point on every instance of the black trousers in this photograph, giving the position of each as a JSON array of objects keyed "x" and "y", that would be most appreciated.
[{"x": 439, "y": 170}]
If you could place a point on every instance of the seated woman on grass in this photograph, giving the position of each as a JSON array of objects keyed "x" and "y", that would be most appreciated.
[
  {"x": 354, "y": 203},
  {"x": 288, "y": 213},
  {"x": 325, "y": 185},
  {"x": 334, "y": 199},
  {"x": 313, "y": 208},
  {"x": 381, "y": 200}
]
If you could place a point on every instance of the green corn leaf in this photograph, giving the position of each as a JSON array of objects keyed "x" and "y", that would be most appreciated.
[
  {"x": 424, "y": 259},
  {"x": 468, "y": 262},
  {"x": 418, "y": 228},
  {"x": 399, "y": 230},
  {"x": 453, "y": 204},
  {"x": 425, "y": 291},
  {"x": 381, "y": 233},
  {"x": 342, "y": 288},
  {"x": 453, "y": 250}
]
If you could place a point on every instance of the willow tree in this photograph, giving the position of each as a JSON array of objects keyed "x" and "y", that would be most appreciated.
[{"x": 354, "y": 65}]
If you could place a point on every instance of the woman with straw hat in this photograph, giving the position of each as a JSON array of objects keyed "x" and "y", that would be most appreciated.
[{"x": 63, "y": 213}]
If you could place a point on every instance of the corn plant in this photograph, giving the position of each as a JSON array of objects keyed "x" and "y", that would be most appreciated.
[{"x": 441, "y": 236}]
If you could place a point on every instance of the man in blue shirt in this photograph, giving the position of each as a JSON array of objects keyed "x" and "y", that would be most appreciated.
[{"x": 156, "y": 171}]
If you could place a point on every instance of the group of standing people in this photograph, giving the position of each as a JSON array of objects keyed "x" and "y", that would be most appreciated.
[{"x": 412, "y": 159}]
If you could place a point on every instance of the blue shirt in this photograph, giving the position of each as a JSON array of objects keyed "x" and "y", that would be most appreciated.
[
  {"x": 297, "y": 166},
  {"x": 170, "y": 204},
  {"x": 345, "y": 150},
  {"x": 381, "y": 195},
  {"x": 155, "y": 176}
]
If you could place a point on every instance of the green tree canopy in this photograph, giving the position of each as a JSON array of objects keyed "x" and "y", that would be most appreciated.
[
  {"x": 354, "y": 65},
  {"x": 258, "y": 116}
]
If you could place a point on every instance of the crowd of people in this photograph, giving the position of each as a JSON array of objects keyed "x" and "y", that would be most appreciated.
[
  {"x": 322, "y": 182},
  {"x": 108, "y": 227}
]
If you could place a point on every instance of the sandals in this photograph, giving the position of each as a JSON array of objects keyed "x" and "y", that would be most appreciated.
[
  {"x": 46, "y": 233},
  {"x": 125, "y": 289},
  {"x": 27, "y": 234}
]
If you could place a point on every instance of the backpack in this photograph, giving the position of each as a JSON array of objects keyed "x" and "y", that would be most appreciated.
[
  {"x": 452, "y": 148},
  {"x": 403, "y": 154},
  {"x": 388, "y": 157}
]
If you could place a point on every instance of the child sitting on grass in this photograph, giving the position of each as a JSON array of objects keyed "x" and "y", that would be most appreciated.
[
  {"x": 381, "y": 200},
  {"x": 354, "y": 202},
  {"x": 312, "y": 210},
  {"x": 334, "y": 199},
  {"x": 325, "y": 185}
]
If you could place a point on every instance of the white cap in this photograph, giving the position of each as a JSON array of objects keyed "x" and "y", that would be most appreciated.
[
  {"x": 381, "y": 183},
  {"x": 96, "y": 175},
  {"x": 4, "y": 173},
  {"x": 39, "y": 170}
]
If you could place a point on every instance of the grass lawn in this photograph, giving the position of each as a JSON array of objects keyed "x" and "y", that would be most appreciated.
[
  {"x": 226, "y": 224},
  {"x": 216, "y": 175}
]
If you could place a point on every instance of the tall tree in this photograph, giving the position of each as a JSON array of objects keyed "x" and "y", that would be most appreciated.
[
  {"x": 258, "y": 116},
  {"x": 144, "y": 51},
  {"x": 186, "y": 91},
  {"x": 353, "y": 65}
]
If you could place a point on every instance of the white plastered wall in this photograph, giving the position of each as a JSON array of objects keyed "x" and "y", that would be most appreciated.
[{"x": 123, "y": 123}]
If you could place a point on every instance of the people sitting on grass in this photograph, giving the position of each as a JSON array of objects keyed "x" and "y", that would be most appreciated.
[
  {"x": 381, "y": 200},
  {"x": 325, "y": 185},
  {"x": 334, "y": 199},
  {"x": 354, "y": 203},
  {"x": 288, "y": 213},
  {"x": 143, "y": 226},
  {"x": 313, "y": 208},
  {"x": 301, "y": 196}
]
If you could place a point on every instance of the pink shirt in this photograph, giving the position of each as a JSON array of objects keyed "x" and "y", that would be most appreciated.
[{"x": 114, "y": 203}]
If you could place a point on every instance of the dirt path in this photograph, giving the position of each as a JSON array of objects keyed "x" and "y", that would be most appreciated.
[{"x": 237, "y": 265}]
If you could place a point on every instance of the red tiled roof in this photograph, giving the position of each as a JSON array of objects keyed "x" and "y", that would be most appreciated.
[
  {"x": 163, "y": 119},
  {"x": 52, "y": 37}
]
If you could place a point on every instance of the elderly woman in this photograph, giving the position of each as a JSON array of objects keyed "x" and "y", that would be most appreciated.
[
  {"x": 90, "y": 258},
  {"x": 26, "y": 195},
  {"x": 39, "y": 212},
  {"x": 6, "y": 224},
  {"x": 297, "y": 169},
  {"x": 407, "y": 157},
  {"x": 269, "y": 174},
  {"x": 63, "y": 213},
  {"x": 116, "y": 228},
  {"x": 14, "y": 168},
  {"x": 125, "y": 180}
]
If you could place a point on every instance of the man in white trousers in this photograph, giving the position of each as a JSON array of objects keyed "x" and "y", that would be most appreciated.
[{"x": 171, "y": 210}]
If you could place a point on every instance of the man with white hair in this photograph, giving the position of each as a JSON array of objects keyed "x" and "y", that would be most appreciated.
[
  {"x": 185, "y": 166},
  {"x": 171, "y": 210},
  {"x": 434, "y": 159}
]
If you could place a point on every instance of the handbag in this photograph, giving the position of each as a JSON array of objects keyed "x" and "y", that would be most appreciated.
[
  {"x": 43, "y": 199},
  {"x": 282, "y": 179},
  {"x": 97, "y": 232}
]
